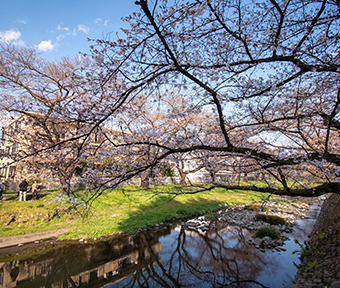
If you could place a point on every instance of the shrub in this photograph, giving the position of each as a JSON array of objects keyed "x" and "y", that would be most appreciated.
[
  {"x": 266, "y": 231},
  {"x": 305, "y": 251},
  {"x": 255, "y": 207},
  {"x": 252, "y": 207},
  {"x": 272, "y": 220},
  {"x": 210, "y": 215},
  {"x": 295, "y": 201}
]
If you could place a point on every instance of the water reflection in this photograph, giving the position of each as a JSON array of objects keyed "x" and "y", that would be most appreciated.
[
  {"x": 173, "y": 257},
  {"x": 76, "y": 265},
  {"x": 190, "y": 258}
]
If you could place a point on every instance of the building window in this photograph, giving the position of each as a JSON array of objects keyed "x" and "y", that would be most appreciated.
[
  {"x": 12, "y": 170},
  {"x": 15, "y": 148},
  {"x": 4, "y": 172}
]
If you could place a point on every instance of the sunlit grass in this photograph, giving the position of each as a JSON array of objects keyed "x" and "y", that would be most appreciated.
[{"x": 122, "y": 210}]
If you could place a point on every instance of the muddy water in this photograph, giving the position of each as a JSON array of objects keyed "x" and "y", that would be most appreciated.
[{"x": 172, "y": 256}]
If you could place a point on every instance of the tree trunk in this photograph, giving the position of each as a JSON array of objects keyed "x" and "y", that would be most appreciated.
[
  {"x": 65, "y": 185},
  {"x": 144, "y": 181},
  {"x": 213, "y": 176},
  {"x": 183, "y": 178}
]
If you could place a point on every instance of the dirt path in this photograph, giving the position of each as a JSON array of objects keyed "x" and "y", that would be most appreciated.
[{"x": 28, "y": 238}]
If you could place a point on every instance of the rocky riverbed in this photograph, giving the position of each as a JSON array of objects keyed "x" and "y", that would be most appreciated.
[
  {"x": 320, "y": 266},
  {"x": 247, "y": 216}
]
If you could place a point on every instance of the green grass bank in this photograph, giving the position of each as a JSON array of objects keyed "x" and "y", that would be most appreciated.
[{"x": 122, "y": 210}]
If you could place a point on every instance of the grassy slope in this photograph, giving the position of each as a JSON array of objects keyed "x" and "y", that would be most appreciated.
[{"x": 123, "y": 210}]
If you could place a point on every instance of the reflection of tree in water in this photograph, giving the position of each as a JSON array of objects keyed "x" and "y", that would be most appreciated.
[
  {"x": 210, "y": 258},
  {"x": 230, "y": 259},
  {"x": 149, "y": 269},
  {"x": 188, "y": 258}
]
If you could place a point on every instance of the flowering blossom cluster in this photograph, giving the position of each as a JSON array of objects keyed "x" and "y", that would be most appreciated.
[{"x": 228, "y": 89}]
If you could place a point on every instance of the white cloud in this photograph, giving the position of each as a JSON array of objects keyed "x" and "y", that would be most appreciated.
[
  {"x": 21, "y": 21},
  {"x": 60, "y": 37},
  {"x": 9, "y": 35},
  {"x": 62, "y": 28},
  {"x": 100, "y": 22},
  {"x": 19, "y": 43},
  {"x": 83, "y": 28},
  {"x": 45, "y": 46}
]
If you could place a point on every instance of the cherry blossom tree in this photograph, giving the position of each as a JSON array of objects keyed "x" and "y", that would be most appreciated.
[
  {"x": 267, "y": 70},
  {"x": 57, "y": 110},
  {"x": 266, "y": 74}
]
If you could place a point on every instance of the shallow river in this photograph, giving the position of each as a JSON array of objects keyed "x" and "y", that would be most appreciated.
[{"x": 172, "y": 256}]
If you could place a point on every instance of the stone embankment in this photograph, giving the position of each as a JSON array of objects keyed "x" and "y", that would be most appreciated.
[
  {"x": 320, "y": 266},
  {"x": 236, "y": 215}
]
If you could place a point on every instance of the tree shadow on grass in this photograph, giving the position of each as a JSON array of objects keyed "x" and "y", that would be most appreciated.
[{"x": 158, "y": 211}]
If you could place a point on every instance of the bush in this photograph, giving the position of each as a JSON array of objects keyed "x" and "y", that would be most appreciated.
[
  {"x": 266, "y": 231},
  {"x": 305, "y": 251},
  {"x": 255, "y": 207},
  {"x": 272, "y": 220}
]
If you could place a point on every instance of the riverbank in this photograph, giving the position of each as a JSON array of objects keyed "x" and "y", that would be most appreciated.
[
  {"x": 123, "y": 210},
  {"x": 20, "y": 240},
  {"x": 240, "y": 215},
  {"x": 215, "y": 258},
  {"x": 320, "y": 266}
]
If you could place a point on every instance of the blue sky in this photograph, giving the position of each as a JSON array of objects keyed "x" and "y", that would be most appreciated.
[{"x": 61, "y": 27}]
